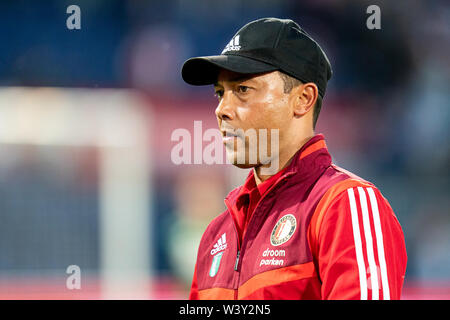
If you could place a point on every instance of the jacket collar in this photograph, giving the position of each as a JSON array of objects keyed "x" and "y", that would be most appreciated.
[{"x": 310, "y": 158}]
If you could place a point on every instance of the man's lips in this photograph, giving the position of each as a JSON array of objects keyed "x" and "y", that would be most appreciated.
[
  {"x": 228, "y": 139},
  {"x": 229, "y": 135}
]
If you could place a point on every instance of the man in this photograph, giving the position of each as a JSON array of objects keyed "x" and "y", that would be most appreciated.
[{"x": 310, "y": 230}]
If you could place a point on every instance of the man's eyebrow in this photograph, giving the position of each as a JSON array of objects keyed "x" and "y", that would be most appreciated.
[{"x": 238, "y": 78}]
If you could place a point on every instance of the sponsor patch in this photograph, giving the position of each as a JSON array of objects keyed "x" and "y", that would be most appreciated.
[
  {"x": 273, "y": 261},
  {"x": 215, "y": 264}
]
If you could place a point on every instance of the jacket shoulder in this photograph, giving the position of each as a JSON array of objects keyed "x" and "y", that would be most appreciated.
[
  {"x": 333, "y": 182},
  {"x": 337, "y": 174},
  {"x": 216, "y": 226},
  {"x": 218, "y": 221}
]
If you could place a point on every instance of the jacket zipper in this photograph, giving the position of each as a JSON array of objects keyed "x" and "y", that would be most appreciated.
[
  {"x": 237, "y": 261},
  {"x": 236, "y": 269},
  {"x": 238, "y": 255}
]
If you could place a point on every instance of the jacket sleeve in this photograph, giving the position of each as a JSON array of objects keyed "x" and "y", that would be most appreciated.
[
  {"x": 193, "y": 295},
  {"x": 361, "y": 251}
]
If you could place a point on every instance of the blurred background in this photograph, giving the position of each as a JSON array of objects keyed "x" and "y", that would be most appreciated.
[{"x": 86, "y": 118}]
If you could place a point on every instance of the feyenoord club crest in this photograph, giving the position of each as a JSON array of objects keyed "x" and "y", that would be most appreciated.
[{"x": 283, "y": 230}]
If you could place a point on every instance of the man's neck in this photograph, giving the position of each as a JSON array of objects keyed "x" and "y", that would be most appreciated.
[{"x": 284, "y": 161}]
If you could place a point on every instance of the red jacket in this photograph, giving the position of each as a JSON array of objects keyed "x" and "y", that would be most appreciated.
[{"x": 318, "y": 232}]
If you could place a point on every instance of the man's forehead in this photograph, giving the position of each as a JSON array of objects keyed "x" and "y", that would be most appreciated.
[{"x": 231, "y": 76}]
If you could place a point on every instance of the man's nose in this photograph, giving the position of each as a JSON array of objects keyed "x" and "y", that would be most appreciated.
[{"x": 225, "y": 110}]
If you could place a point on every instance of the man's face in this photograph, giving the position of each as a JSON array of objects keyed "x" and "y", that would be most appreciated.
[{"x": 249, "y": 102}]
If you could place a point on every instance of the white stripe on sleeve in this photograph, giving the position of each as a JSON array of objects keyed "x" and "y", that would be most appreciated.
[
  {"x": 380, "y": 246},
  {"x": 358, "y": 246},
  {"x": 369, "y": 244}
]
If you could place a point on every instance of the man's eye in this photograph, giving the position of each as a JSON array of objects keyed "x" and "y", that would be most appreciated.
[
  {"x": 243, "y": 89},
  {"x": 219, "y": 94}
]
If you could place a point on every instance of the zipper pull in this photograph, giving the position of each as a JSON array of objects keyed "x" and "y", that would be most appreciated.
[{"x": 237, "y": 261}]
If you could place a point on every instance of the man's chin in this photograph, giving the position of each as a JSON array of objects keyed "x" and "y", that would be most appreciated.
[
  {"x": 236, "y": 161},
  {"x": 244, "y": 165}
]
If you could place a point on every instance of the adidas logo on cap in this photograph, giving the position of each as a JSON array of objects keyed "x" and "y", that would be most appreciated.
[{"x": 233, "y": 45}]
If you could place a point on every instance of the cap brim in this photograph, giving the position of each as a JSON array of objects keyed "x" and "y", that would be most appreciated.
[{"x": 204, "y": 70}]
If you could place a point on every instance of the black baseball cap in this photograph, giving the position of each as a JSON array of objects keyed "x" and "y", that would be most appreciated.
[{"x": 264, "y": 45}]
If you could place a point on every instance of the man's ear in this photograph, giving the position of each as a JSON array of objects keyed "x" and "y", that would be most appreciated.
[{"x": 303, "y": 98}]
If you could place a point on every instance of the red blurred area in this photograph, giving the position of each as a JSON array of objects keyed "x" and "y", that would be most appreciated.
[
  {"x": 163, "y": 288},
  {"x": 53, "y": 288}
]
